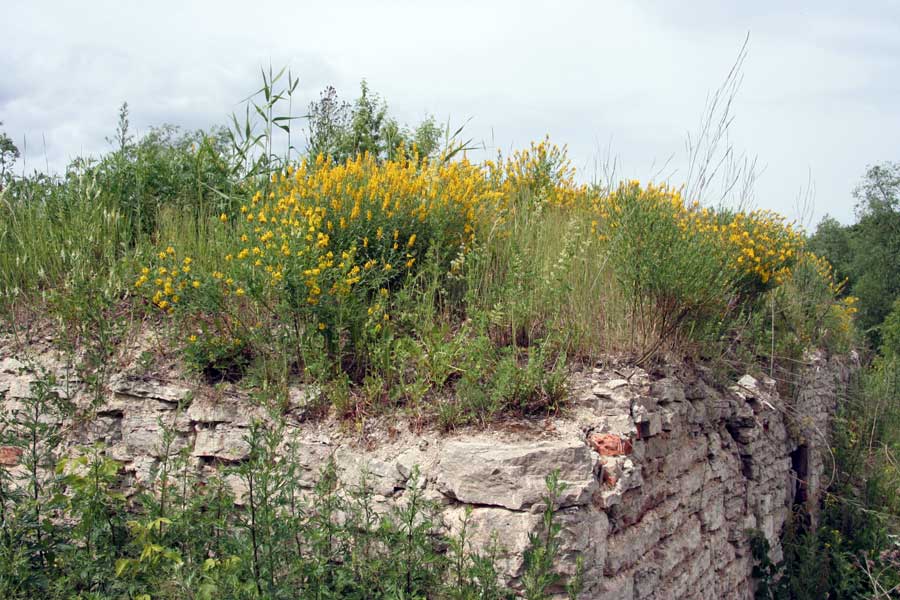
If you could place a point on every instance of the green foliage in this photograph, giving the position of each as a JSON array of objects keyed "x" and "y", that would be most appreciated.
[
  {"x": 852, "y": 552},
  {"x": 832, "y": 240},
  {"x": 9, "y": 154},
  {"x": 868, "y": 252},
  {"x": 341, "y": 130},
  {"x": 890, "y": 332},
  {"x": 66, "y": 530},
  {"x": 671, "y": 278},
  {"x": 765, "y": 572},
  {"x": 539, "y": 579},
  {"x": 424, "y": 276}
]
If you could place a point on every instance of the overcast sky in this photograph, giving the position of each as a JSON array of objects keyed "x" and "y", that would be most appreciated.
[{"x": 625, "y": 80}]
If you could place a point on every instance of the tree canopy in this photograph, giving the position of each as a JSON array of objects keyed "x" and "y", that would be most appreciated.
[{"x": 867, "y": 252}]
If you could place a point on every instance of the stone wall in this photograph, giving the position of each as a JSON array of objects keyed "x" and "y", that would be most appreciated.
[{"x": 664, "y": 472}]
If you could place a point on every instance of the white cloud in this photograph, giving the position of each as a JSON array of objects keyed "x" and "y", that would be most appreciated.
[{"x": 817, "y": 97}]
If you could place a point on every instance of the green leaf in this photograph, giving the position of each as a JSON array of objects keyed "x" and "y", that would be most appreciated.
[{"x": 121, "y": 565}]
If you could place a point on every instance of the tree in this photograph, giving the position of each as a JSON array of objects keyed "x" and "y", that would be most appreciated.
[
  {"x": 9, "y": 154},
  {"x": 832, "y": 240},
  {"x": 369, "y": 123},
  {"x": 328, "y": 121},
  {"x": 875, "y": 243},
  {"x": 341, "y": 130},
  {"x": 880, "y": 190},
  {"x": 868, "y": 252}
]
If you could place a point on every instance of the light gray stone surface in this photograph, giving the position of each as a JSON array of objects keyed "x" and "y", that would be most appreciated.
[{"x": 664, "y": 473}]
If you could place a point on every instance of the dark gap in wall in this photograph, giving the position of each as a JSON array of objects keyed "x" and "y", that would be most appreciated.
[
  {"x": 800, "y": 474},
  {"x": 800, "y": 469}
]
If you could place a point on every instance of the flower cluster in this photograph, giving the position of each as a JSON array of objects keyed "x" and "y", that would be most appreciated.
[
  {"x": 169, "y": 279},
  {"x": 324, "y": 245},
  {"x": 758, "y": 247},
  {"x": 825, "y": 272},
  {"x": 333, "y": 227},
  {"x": 327, "y": 242},
  {"x": 541, "y": 173},
  {"x": 842, "y": 307},
  {"x": 762, "y": 245}
]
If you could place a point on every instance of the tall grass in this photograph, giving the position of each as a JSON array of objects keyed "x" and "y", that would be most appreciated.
[
  {"x": 344, "y": 272},
  {"x": 56, "y": 233},
  {"x": 545, "y": 271}
]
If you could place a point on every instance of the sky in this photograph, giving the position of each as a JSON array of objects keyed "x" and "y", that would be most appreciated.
[{"x": 623, "y": 83}]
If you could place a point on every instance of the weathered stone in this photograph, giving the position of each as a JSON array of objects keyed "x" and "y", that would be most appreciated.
[
  {"x": 508, "y": 530},
  {"x": 615, "y": 384},
  {"x": 513, "y": 475},
  {"x": 10, "y": 455},
  {"x": 382, "y": 478},
  {"x": 663, "y": 478},
  {"x": 620, "y": 587},
  {"x": 646, "y": 581},
  {"x": 226, "y": 408},
  {"x": 12, "y": 366},
  {"x": 302, "y": 399},
  {"x": 156, "y": 389},
  {"x": 222, "y": 442},
  {"x": 668, "y": 390},
  {"x": 620, "y": 424}
]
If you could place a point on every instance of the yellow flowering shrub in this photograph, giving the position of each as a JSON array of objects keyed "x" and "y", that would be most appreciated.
[
  {"x": 757, "y": 248},
  {"x": 542, "y": 173},
  {"x": 329, "y": 242},
  {"x": 762, "y": 246},
  {"x": 323, "y": 249},
  {"x": 813, "y": 306},
  {"x": 670, "y": 265}
]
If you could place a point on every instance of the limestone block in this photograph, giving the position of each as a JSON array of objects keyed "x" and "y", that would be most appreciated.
[
  {"x": 223, "y": 442},
  {"x": 490, "y": 526},
  {"x": 513, "y": 475},
  {"x": 356, "y": 469},
  {"x": 627, "y": 547},
  {"x": 668, "y": 390},
  {"x": 157, "y": 389},
  {"x": 620, "y": 587}
]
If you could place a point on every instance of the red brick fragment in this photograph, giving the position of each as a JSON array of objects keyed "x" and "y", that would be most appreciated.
[
  {"x": 609, "y": 478},
  {"x": 609, "y": 444},
  {"x": 9, "y": 456}
]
